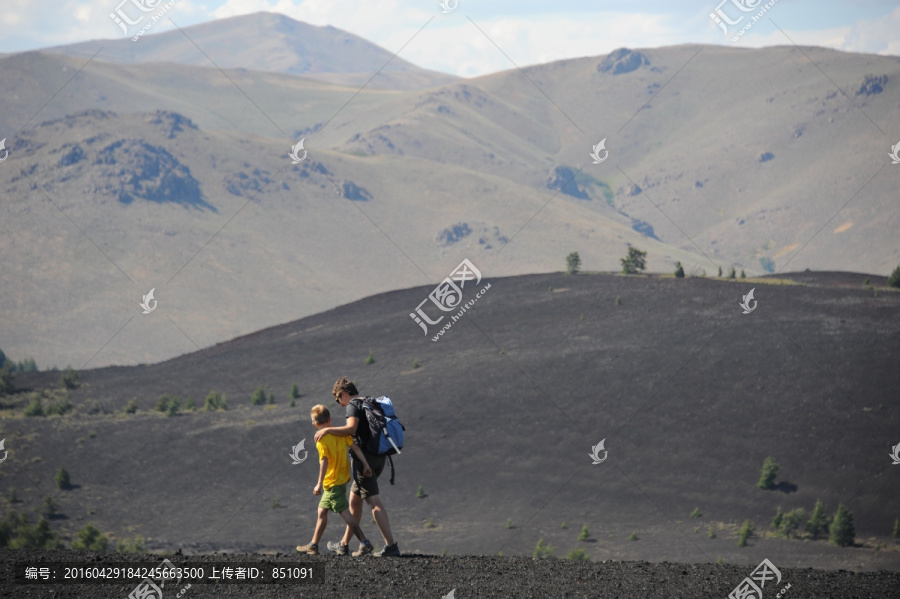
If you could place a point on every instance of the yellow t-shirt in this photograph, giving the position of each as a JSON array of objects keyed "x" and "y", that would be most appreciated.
[{"x": 335, "y": 449}]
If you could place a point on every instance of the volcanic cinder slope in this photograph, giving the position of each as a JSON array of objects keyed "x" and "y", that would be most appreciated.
[
  {"x": 762, "y": 159},
  {"x": 689, "y": 394}
]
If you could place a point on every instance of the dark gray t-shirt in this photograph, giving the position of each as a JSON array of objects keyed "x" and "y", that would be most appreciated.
[{"x": 356, "y": 410}]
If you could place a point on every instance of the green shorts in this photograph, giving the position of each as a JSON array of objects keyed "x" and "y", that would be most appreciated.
[{"x": 335, "y": 499}]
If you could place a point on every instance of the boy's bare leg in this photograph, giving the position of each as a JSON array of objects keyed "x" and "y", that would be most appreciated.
[
  {"x": 321, "y": 523},
  {"x": 381, "y": 517},
  {"x": 353, "y": 523},
  {"x": 356, "y": 511}
]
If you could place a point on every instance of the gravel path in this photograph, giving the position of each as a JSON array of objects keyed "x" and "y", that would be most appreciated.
[{"x": 425, "y": 576}]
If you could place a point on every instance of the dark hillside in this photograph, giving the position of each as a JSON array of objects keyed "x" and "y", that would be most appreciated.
[{"x": 502, "y": 411}]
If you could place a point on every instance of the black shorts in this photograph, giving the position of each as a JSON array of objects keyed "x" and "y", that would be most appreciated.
[{"x": 368, "y": 486}]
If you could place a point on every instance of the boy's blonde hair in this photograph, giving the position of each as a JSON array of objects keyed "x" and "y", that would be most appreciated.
[{"x": 320, "y": 414}]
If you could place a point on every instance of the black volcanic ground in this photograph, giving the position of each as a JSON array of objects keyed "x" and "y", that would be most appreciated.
[{"x": 689, "y": 393}]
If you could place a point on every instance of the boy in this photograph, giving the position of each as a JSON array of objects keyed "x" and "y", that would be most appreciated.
[{"x": 334, "y": 472}]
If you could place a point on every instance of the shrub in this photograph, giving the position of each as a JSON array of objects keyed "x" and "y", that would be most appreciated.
[
  {"x": 543, "y": 550},
  {"x": 634, "y": 262},
  {"x": 134, "y": 545},
  {"x": 162, "y": 404},
  {"x": 215, "y": 401},
  {"x": 292, "y": 402},
  {"x": 69, "y": 378},
  {"x": 173, "y": 407},
  {"x": 711, "y": 533},
  {"x": 618, "y": 301},
  {"x": 509, "y": 523},
  {"x": 14, "y": 497},
  {"x": 371, "y": 358},
  {"x": 842, "y": 531},
  {"x": 295, "y": 391},
  {"x": 578, "y": 555},
  {"x": 731, "y": 273},
  {"x": 259, "y": 397},
  {"x": 769, "y": 472},
  {"x": 866, "y": 282},
  {"x": 746, "y": 531},
  {"x": 696, "y": 513},
  {"x": 584, "y": 535},
  {"x": 743, "y": 275},
  {"x": 49, "y": 507},
  {"x": 58, "y": 407},
  {"x": 189, "y": 405},
  {"x": 563, "y": 525},
  {"x": 633, "y": 536},
  {"x": 679, "y": 270},
  {"x": 62, "y": 479},
  {"x": 817, "y": 525},
  {"x": 6, "y": 380},
  {"x": 573, "y": 263},
  {"x": 420, "y": 493},
  {"x": 276, "y": 503},
  {"x": 429, "y": 523},
  {"x": 131, "y": 407},
  {"x": 791, "y": 522},
  {"x": 415, "y": 363},
  {"x": 35, "y": 407},
  {"x": 16, "y": 534},
  {"x": 720, "y": 272},
  {"x": 894, "y": 279},
  {"x": 90, "y": 538},
  {"x": 776, "y": 521}
]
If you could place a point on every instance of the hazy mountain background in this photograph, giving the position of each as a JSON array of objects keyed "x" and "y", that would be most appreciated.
[{"x": 152, "y": 168}]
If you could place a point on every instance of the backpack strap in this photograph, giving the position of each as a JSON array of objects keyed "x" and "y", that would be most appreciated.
[{"x": 392, "y": 469}]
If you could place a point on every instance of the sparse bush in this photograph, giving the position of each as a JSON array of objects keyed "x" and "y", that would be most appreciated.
[
  {"x": 769, "y": 472},
  {"x": 743, "y": 274},
  {"x": 696, "y": 513},
  {"x": 215, "y": 401},
  {"x": 679, "y": 270},
  {"x": 573, "y": 263},
  {"x": 543, "y": 550},
  {"x": 415, "y": 363},
  {"x": 711, "y": 532},
  {"x": 776, "y": 521},
  {"x": 563, "y": 525},
  {"x": 618, "y": 301},
  {"x": 746, "y": 531},
  {"x": 14, "y": 497},
  {"x": 370, "y": 359},
  {"x": 189, "y": 405},
  {"x": 259, "y": 397},
  {"x": 295, "y": 391},
  {"x": 842, "y": 530},
  {"x": 16, "y": 533},
  {"x": 791, "y": 522},
  {"x": 133, "y": 545},
  {"x": 69, "y": 378},
  {"x": 173, "y": 407},
  {"x": 131, "y": 407},
  {"x": 578, "y": 555},
  {"x": 62, "y": 479},
  {"x": 162, "y": 404},
  {"x": 696, "y": 529},
  {"x": 509, "y": 523},
  {"x": 91, "y": 539},
  {"x": 292, "y": 403},
  {"x": 35, "y": 407},
  {"x": 49, "y": 507},
  {"x": 429, "y": 523},
  {"x": 633, "y": 536},
  {"x": 276, "y": 503},
  {"x": 634, "y": 262},
  {"x": 420, "y": 493},
  {"x": 817, "y": 525},
  {"x": 866, "y": 282},
  {"x": 585, "y": 534},
  {"x": 894, "y": 278},
  {"x": 58, "y": 407}
]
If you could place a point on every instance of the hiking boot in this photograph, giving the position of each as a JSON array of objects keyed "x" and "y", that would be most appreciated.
[
  {"x": 389, "y": 551},
  {"x": 339, "y": 548},
  {"x": 311, "y": 549},
  {"x": 364, "y": 549}
]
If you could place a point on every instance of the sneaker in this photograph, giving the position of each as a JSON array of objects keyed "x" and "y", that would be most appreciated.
[
  {"x": 364, "y": 549},
  {"x": 389, "y": 551},
  {"x": 338, "y": 548},
  {"x": 311, "y": 549}
]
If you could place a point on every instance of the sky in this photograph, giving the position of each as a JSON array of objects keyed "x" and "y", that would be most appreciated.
[{"x": 479, "y": 37}]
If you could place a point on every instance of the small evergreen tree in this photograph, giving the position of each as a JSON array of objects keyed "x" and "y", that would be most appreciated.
[
  {"x": 769, "y": 472},
  {"x": 134, "y": 545},
  {"x": 578, "y": 555},
  {"x": 131, "y": 407},
  {"x": 720, "y": 271},
  {"x": 69, "y": 378},
  {"x": 776, "y": 521},
  {"x": 791, "y": 522},
  {"x": 573, "y": 263},
  {"x": 746, "y": 531},
  {"x": 189, "y": 405},
  {"x": 62, "y": 479},
  {"x": 817, "y": 526},
  {"x": 14, "y": 497},
  {"x": 420, "y": 493},
  {"x": 842, "y": 531},
  {"x": 49, "y": 507},
  {"x": 743, "y": 275},
  {"x": 259, "y": 397},
  {"x": 679, "y": 270},
  {"x": 543, "y": 550},
  {"x": 584, "y": 534},
  {"x": 215, "y": 401},
  {"x": 173, "y": 407},
  {"x": 35, "y": 407},
  {"x": 91, "y": 539},
  {"x": 6, "y": 380},
  {"x": 370, "y": 359},
  {"x": 295, "y": 391},
  {"x": 731, "y": 273},
  {"x": 894, "y": 278},
  {"x": 634, "y": 262}
]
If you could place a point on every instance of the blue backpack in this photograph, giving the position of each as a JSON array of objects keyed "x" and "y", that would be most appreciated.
[{"x": 385, "y": 431}]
